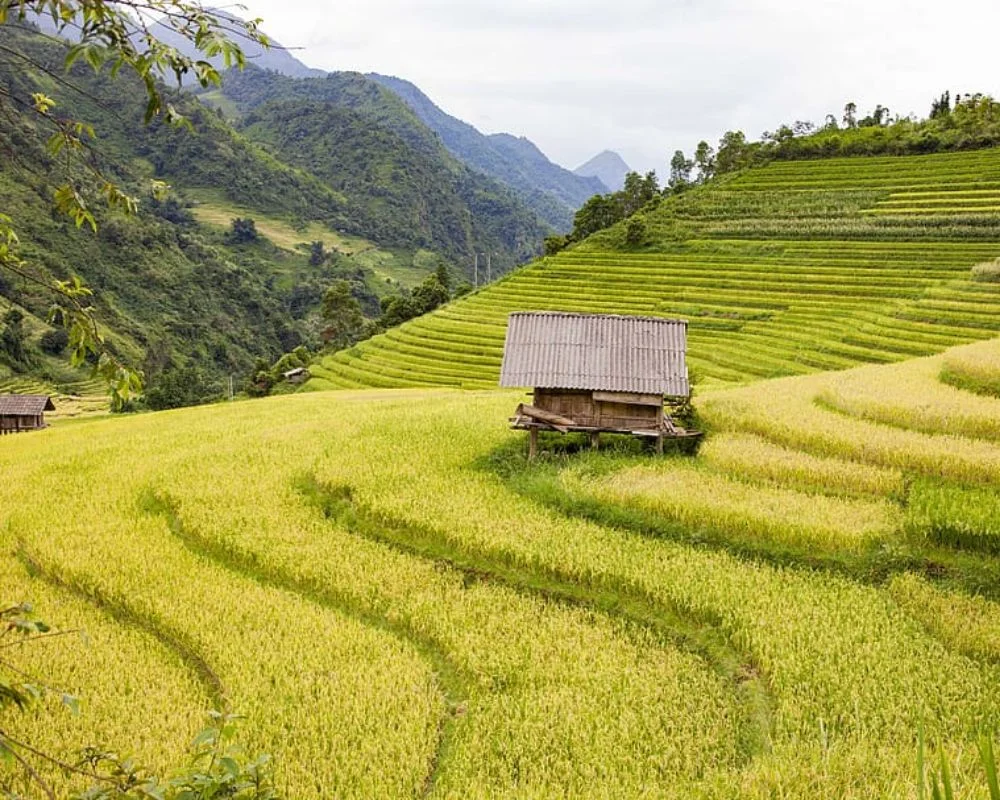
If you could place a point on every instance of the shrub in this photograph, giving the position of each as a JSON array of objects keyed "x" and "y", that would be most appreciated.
[
  {"x": 54, "y": 341},
  {"x": 635, "y": 231}
]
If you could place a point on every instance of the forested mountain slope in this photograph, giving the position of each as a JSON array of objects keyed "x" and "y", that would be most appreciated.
[
  {"x": 173, "y": 292},
  {"x": 552, "y": 191},
  {"x": 794, "y": 267},
  {"x": 169, "y": 292},
  {"x": 391, "y": 160}
]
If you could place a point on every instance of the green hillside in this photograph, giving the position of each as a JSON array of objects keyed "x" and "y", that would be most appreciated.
[
  {"x": 791, "y": 268},
  {"x": 403, "y": 188},
  {"x": 172, "y": 289}
]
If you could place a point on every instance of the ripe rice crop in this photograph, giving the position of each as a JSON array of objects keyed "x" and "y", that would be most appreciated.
[
  {"x": 970, "y": 625},
  {"x": 137, "y": 695},
  {"x": 691, "y": 497},
  {"x": 909, "y": 395},
  {"x": 975, "y": 368},
  {"x": 753, "y": 459},
  {"x": 426, "y": 642}
]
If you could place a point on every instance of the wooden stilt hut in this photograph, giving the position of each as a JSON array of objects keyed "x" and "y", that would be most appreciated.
[
  {"x": 23, "y": 412},
  {"x": 596, "y": 373}
]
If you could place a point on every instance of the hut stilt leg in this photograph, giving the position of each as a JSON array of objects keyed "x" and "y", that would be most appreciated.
[
  {"x": 532, "y": 444},
  {"x": 595, "y": 440},
  {"x": 659, "y": 445}
]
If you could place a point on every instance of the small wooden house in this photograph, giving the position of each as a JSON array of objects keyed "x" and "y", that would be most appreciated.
[
  {"x": 23, "y": 412},
  {"x": 596, "y": 373},
  {"x": 296, "y": 375}
]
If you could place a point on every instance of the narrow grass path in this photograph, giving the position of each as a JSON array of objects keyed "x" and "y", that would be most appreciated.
[
  {"x": 124, "y": 614},
  {"x": 698, "y": 635},
  {"x": 452, "y": 682}
]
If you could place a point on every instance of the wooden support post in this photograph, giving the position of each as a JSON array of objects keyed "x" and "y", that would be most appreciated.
[
  {"x": 595, "y": 440},
  {"x": 659, "y": 445},
  {"x": 532, "y": 444}
]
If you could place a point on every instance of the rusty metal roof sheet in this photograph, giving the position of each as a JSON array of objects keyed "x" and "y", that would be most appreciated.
[
  {"x": 24, "y": 405},
  {"x": 596, "y": 352}
]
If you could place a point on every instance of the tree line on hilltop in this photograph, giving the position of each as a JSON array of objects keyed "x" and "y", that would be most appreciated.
[{"x": 967, "y": 122}]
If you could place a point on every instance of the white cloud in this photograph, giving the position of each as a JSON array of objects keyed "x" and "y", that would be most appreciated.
[{"x": 646, "y": 77}]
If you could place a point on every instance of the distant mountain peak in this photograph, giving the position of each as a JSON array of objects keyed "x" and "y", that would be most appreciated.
[
  {"x": 609, "y": 167},
  {"x": 552, "y": 192}
]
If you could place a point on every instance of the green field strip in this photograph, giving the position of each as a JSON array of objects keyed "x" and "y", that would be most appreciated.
[
  {"x": 438, "y": 326},
  {"x": 396, "y": 366},
  {"x": 427, "y": 365},
  {"x": 439, "y": 357},
  {"x": 352, "y": 368},
  {"x": 949, "y": 319},
  {"x": 695, "y": 274},
  {"x": 397, "y": 371},
  {"x": 882, "y": 209},
  {"x": 824, "y": 354},
  {"x": 945, "y": 201},
  {"x": 442, "y": 349}
]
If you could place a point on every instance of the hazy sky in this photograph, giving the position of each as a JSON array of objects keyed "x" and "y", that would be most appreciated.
[{"x": 644, "y": 77}]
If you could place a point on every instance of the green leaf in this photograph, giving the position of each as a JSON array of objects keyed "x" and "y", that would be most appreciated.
[
  {"x": 990, "y": 765},
  {"x": 949, "y": 792},
  {"x": 72, "y": 703}
]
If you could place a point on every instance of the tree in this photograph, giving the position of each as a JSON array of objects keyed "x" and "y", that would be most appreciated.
[
  {"x": 317, "y": 254},
  {"x": 430, "y": 294},
  {"x": 734, "y": 152},
  {"x": 680, "y": 171},
  {"x": 635, "y": 230},
  {"x": 13, "y": 341},
  {"x": 704, "y": 159},
  {"x": 242, "y": 231},
  {"x": 118, "y": 33},
  {"x": 443, "y": 275},
  {"x": 182, "y": 386},
  {"x": 637, "y": 191},
  {"x": 555, "y": 243},
  {"x": 397, "y": 311},
  {"x": 54, "y": 341},
  {"x": 597, "y": 213},
  {"x": 850, "y": 115},
  {"x": 342, "y": 317},
  {"x": 941, "y": 106}
]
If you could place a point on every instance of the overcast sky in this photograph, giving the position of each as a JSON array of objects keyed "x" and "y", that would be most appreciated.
[{"x": 647, "y": 77}]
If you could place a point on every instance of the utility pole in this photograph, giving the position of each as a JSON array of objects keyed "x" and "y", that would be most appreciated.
[
  {"x": 477, "y": 270},
  {"x": 489, "y": 267}
]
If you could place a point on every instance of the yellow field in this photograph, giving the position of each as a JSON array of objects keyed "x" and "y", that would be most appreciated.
[
  {"x": 280, "y": 232},
  {"x": 402, "y": 606}
]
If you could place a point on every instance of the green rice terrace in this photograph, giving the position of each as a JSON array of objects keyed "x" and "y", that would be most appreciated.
[{"x": 792, "y": 268}]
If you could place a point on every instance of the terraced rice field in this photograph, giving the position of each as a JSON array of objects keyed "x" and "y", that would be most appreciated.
[
  {"x": 401, "y": 606},
  {"x": 82, "y": 397},
  {"x": 793, "y": 268}
]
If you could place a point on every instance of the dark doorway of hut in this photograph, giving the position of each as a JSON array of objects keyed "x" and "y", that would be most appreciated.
[{"x": 597, "y": 373}]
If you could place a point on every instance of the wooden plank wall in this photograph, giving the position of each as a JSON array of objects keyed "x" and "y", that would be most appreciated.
[{"x": 583, "y": 409}]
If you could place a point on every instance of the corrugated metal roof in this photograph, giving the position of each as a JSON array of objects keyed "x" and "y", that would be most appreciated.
[
  {"x": 24, "y": 405},
  {"x": 596, "y": 352}
]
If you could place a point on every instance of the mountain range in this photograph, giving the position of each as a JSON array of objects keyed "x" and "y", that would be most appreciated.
[
  {"x": 552, "y": 191},
  {"x": 363, "y": 169}
]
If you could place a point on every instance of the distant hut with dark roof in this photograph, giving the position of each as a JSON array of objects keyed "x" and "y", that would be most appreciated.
[
  {"x": 23, "y": 412},
  {"x": 596, "y": 373}
]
